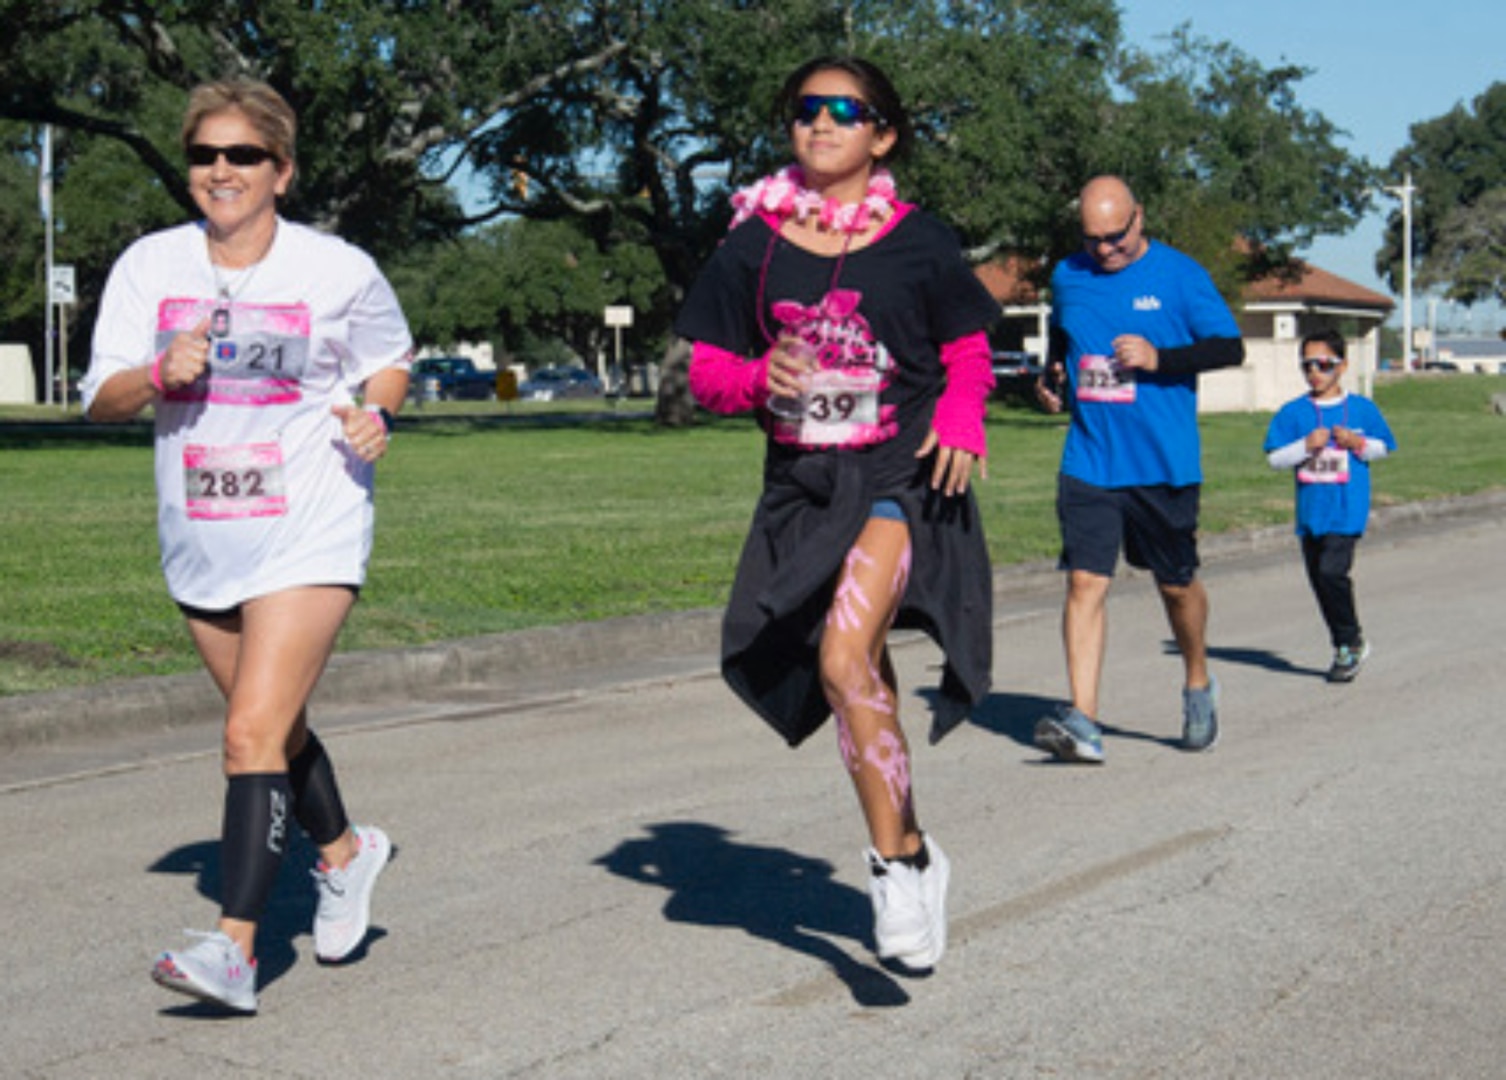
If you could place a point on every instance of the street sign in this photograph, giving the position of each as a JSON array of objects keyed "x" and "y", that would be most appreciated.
[
  {"x": 62, "y": 288},
  {"x": 618, "y": 315}
]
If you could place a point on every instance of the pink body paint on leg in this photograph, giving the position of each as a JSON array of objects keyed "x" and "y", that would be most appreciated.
[
  {"x": 850, "y": 596},
  {"x": 846, "y": 744},
  {"x": 887, "y": 754},
  {"x": 902, "y": 572}
]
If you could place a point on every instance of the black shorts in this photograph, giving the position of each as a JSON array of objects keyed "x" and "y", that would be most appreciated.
[
  {"x": 1156, "y": 525},
  {"x": 206, "y": 615}
]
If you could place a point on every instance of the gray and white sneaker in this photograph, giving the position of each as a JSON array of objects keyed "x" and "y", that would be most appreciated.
[
  {"x": 214, "y": 970},
  {"x": 1200, "y": 716},
  {"x": 909, "y": 907},
  {"x": 1347, "y": 661},
  {"x": 344, "y": 913},
  {"x": 1070, "y": 735}
]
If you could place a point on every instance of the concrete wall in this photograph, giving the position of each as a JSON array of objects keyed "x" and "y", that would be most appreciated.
[
  {"x": 18, "y": 383},
  {"x": 1271, "y": 375}
]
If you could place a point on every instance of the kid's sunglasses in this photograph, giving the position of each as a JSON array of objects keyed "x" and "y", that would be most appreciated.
[
  {"x": 1325, "y": 364},
  {"x": 844, "y": 110},
  {"x": 241, "y": 155}
]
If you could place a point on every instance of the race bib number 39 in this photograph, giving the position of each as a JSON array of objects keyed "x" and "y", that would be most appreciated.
[
  {"x": 228, "y": 482},
  {"x": 841, "y": 408},
  {"x": 1101, "y": 378}
]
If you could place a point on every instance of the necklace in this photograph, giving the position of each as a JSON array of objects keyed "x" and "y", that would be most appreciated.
[
  {"x": 785, "y": 195},
  {"x": 227, "y": 290}
]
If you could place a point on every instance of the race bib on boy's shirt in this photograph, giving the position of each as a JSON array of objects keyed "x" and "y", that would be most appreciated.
[
  {"x": 1104, "y": 379},
  {"x": 258, "y": 353},
  {"x": 1329, "y": 465}
]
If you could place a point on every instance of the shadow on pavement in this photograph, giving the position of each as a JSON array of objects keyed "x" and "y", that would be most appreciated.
[
  {"x": 1261, "y": 658},
  {"x": 1013, "y": 715},
  {"x": 771, "y": 893}
]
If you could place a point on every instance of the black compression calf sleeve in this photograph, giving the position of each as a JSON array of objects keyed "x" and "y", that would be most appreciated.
[
  {"x": 316, "y": 797},
  {"x": 253, "y": 840}
]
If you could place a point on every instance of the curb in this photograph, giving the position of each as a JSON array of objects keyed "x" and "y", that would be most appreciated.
[{"x": 554, "y": 657}]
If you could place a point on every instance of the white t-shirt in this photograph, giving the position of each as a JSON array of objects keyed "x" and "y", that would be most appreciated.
[{"x": 257, "y": 489}]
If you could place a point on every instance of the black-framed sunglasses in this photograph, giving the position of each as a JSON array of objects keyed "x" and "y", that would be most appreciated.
[
  {"x": 1113, "y": 239},
  {"x": 844, "y": 110},
  {"x": 241, "y": 155},
  {"x": 1325, "y": 364}
]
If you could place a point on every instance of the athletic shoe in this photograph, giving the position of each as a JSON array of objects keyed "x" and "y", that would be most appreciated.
[
  {"x": 1347, "y": 661},
  {"x": 344, "y": 913},
  {"x": 1070, "y": 735},
  {"x": 1200, "y": 716},
  {"x": 213, "y": 970},
  {"x": 909, "y": 907}
]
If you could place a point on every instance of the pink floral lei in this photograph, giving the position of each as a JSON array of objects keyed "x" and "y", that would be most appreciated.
[{"x": 785, "y": 195}]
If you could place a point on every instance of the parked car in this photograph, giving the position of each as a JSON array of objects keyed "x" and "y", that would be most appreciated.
[
  {"x": 557, "y": 383},
  {"x": 1015, "y": 374},
  {"x": 450, "y": 378}
]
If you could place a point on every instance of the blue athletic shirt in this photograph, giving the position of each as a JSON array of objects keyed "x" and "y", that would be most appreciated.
[
  {"x": 1168, "y": 299},
  {"x": 1331, "y": 509}
]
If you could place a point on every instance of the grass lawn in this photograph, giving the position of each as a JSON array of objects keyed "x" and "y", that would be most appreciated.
[{"x": 486, "y": 527}]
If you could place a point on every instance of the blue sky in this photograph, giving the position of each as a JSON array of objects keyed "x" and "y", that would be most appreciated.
[{"x": 1377, "y": 68}]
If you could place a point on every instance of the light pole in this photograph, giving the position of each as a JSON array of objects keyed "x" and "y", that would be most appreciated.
[{"x": 1404, "y": 193}]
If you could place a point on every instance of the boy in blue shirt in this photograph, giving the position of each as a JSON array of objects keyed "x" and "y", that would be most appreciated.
[{"x": 1329, "y": 438}]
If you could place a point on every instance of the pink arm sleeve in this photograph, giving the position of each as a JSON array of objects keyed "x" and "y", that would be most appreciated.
[
  {"x": 725, "y": 382},
  {"x": 969, "y": 381}
]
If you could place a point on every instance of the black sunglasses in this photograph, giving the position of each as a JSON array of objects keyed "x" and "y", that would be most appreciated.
[
  {"x": 844, "y": 110},
  {"x": 1113, "y": 239},
  {"x": 241, "y": 155},
  {"x": 1325, "y": 364}
]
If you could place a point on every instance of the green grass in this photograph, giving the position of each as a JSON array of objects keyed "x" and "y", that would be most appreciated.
[{"x": 485, "y": 528}]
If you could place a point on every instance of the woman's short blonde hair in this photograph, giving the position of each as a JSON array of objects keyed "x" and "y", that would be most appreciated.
[{"x": 263, "y": 107}]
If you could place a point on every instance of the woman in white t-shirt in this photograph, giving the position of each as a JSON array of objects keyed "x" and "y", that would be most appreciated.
[{"x": 273, "y": 358}]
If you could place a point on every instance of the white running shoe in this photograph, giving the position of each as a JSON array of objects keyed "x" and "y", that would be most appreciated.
[
  {"x": 344, "y": 913},
  {"x": 213, "y": 970},
  {"x": 909, "y": 908}
]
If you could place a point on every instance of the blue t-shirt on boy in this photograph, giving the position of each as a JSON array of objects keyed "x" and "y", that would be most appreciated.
[{"x": 1333, "y": 486}]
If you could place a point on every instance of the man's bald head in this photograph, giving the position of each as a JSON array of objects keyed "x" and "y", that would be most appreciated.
[{"x": 1113, "y": 227}]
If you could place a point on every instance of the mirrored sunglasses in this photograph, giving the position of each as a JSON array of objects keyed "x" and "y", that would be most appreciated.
[
  {"x": 844, "y": 110},
  {"x": 241, "y": 155},
  {"x": 1325, "y": 364}
]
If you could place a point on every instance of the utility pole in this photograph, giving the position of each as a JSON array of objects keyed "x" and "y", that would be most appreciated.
[
  {"x": 44, "y": 191},
  {"x": 1404, "y": 193}
]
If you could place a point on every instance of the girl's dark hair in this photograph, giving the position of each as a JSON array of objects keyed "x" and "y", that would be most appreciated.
[
  {"x": 1332, "y": 338},
  {"x": 877, "y": 91}
]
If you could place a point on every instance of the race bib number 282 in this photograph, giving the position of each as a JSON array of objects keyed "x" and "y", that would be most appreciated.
[{"x": 228, "y": 482}]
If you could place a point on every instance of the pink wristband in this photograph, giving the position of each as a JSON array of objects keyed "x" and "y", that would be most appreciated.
[{"x": 155, "y": 373}]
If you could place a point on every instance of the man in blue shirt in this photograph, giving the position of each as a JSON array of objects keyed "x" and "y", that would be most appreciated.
[{"x": 1133, "y": 323}]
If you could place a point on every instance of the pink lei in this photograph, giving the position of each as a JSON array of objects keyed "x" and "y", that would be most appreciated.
[{"x": 785, "y": 195}]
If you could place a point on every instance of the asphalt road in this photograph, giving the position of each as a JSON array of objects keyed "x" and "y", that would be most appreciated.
[{"x": 617, "y": 872}]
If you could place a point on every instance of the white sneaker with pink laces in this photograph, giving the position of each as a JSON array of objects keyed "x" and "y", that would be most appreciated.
[
  {"x": 344, "y": 913},
  {"x": 214, "y": 970}
]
